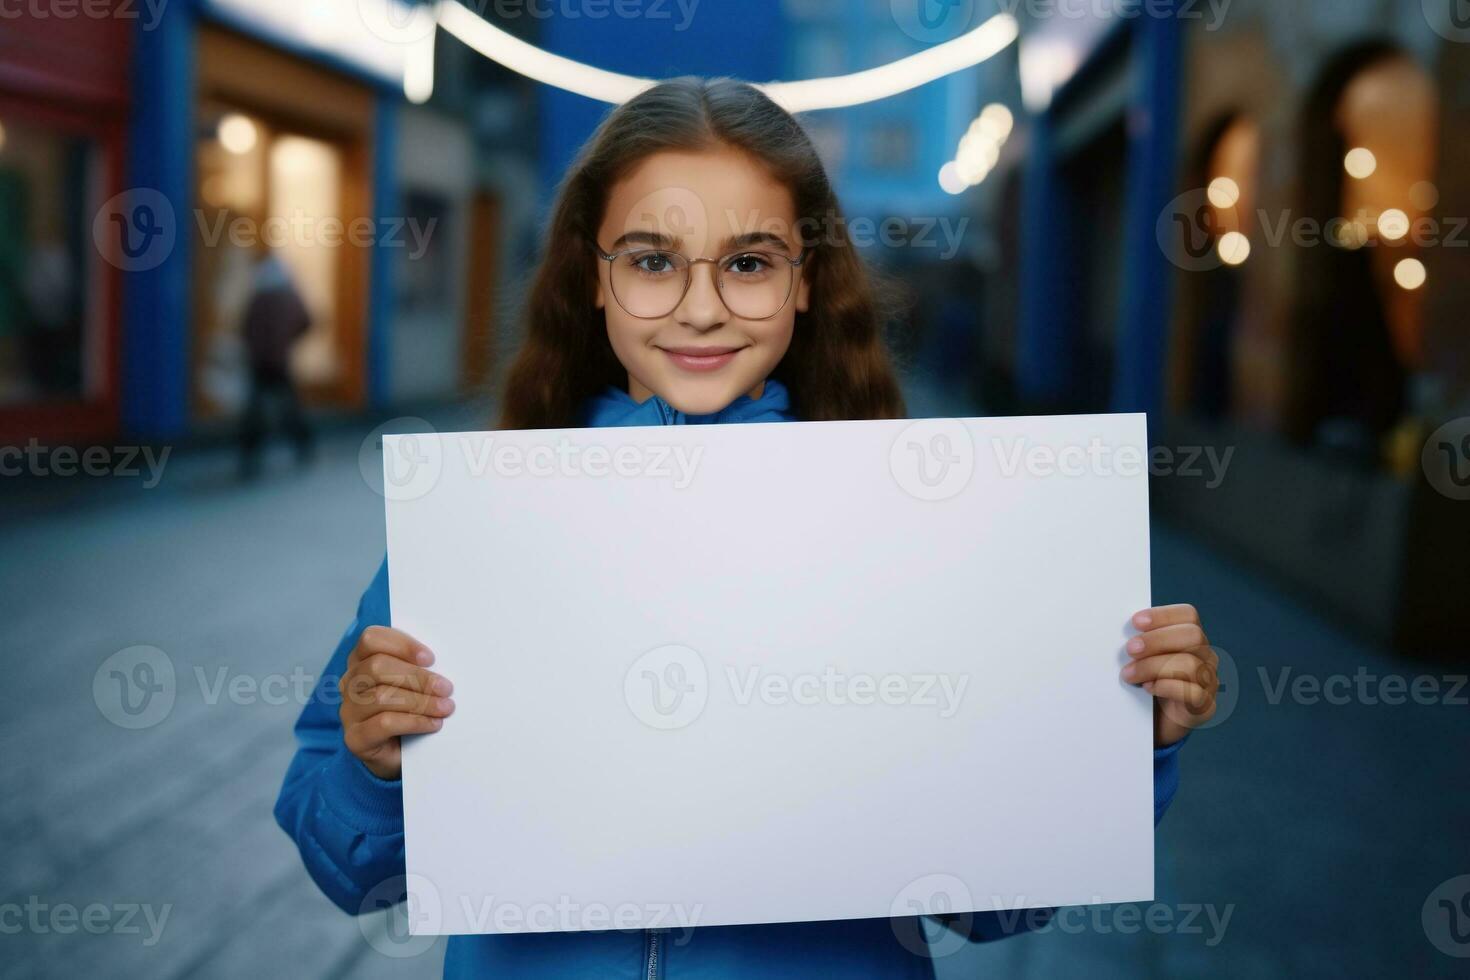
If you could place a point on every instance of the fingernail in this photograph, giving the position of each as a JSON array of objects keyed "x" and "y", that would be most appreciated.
[
  {"x": 1135, "y": 645},
  {"x": 1129, "y": 671},
  {"x": 1144, "y": 620},
  {"x": 438, "y": 723},
  {"x": 446, "y": 705},
  {"x": 443, "y": 687},
  {"x": 425, "y": 656},
  {"x": 1149, "y": 687}
]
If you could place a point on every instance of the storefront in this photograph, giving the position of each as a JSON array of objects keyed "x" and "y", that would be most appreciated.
[
  {"x": 63, "y": 114},
  {"x": 277, "y": 135}
]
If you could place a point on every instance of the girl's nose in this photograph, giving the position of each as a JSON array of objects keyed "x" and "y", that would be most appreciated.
[{"x": 702, "y": 308}]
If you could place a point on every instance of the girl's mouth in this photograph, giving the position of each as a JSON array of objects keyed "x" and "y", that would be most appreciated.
[{"x": 701, "y": 358}]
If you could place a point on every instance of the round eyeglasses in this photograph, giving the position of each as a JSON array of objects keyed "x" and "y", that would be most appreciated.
[{"x": 650, "y": 283}]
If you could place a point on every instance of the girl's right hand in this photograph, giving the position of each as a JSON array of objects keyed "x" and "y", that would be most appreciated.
[{"x": 387, "y": 692}]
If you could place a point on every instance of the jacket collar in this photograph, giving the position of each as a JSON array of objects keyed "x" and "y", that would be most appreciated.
[{"x": 615, "y": 407}]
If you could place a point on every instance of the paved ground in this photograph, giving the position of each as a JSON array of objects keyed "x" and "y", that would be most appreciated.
[{"x": 1319, "y": 829}]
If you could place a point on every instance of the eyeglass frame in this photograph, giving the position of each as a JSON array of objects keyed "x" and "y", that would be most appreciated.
[{"x": 610, "y": 257}]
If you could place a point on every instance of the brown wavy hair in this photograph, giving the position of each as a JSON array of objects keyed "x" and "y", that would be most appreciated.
[{"x": 837, "y": 366}]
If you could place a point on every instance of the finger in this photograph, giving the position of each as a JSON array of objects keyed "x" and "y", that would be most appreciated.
[
  {"x": 1175, "y": 615},
  {"x": 394, "y": 643},
  {"x": 393, "y": 672},
  {"x": 1197, "y": 702},
  {"x": 1178, "y": 666},
  {"x": 385, "y": 698},
  {"x": 1167, "y": 639},
  {"x": 370, "y": 733},
  {"x": 382, "y": 670}
]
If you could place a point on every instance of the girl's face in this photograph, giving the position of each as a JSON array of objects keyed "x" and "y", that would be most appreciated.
[{"x": 701, "y": 356}]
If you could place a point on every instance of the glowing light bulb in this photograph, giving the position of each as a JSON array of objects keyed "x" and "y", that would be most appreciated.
[
  {"x": 1234, "y": 248},
  {"x": 237, "y": 133},
  {"x": 1410, "y": 274},
  {"x": 1360, "y": 162},
  {"x": 1223, "y": 193}
]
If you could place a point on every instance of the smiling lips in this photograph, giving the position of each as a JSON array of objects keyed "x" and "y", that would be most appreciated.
[{"x": 701, "y": 358}]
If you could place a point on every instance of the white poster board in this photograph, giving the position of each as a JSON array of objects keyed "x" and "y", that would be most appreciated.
[{"x": 710, "y": 675}]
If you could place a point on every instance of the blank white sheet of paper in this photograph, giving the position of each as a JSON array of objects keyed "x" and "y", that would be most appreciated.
[{"x": 747, "y": 673}]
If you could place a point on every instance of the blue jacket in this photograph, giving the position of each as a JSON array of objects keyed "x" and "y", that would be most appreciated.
[{"x": 348, "y": 825}]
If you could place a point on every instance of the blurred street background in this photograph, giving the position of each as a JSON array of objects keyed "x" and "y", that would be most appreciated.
[{"x": 1249, "y": 219}]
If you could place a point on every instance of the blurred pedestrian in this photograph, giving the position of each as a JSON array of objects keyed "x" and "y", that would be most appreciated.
[{"x": 276, "y": 317}]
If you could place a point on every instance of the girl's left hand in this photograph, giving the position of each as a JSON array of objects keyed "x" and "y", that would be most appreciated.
[{"x": 1172, "y": 659}]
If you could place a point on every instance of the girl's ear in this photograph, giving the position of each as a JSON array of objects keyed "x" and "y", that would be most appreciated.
[
  {"x": 599, "y": 301},
  {"x": 803, "y": 292}
]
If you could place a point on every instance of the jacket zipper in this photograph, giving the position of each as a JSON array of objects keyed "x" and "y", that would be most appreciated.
[
  {"x": 651, "y": 937},
  {"x": 651, "y": 961}
]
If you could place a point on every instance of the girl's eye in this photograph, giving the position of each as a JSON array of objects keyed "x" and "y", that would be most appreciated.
[
  {"x": 653, "y": 263},
  {"x": 749, "y": 264}
]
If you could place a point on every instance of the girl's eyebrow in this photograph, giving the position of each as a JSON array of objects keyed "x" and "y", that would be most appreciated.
[{"x": 658, "y": 239}]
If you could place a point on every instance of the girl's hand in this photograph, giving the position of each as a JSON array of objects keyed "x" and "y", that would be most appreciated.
[
  {"x": 386, "y": 693},
  {"x": 1172, "y": 659}
]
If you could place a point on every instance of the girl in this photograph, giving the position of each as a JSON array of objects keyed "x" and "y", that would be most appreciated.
[{"x": 627, "y": 326}]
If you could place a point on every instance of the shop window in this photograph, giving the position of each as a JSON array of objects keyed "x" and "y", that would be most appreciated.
[
  {"x": 49, "y": 315},
  {"x": 264, "y": 191},
  {"x": 1368, "y": 178}
]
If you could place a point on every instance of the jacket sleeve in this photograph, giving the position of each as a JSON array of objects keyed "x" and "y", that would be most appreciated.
[
  {"x": 346, "y": 822},
  {"x": 986, "y": 926}
]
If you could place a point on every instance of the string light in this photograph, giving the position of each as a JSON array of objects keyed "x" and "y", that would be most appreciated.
[{"x": 965, "y": 51}]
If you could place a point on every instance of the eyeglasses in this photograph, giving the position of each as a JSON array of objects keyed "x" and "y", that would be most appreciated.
[{"x": 650, "y": 283}]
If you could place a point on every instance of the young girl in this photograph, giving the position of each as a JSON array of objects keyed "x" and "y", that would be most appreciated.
[{"x": 697, "y": 270}]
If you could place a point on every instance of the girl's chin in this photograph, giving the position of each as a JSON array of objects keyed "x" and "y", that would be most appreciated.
[{"x": 702, "y": 399}]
